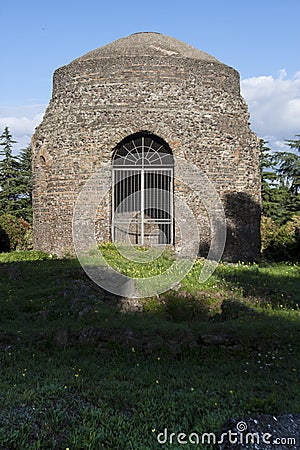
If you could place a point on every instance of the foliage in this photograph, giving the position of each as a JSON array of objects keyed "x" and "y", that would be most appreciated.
[
  {"x": 15, "y": 179},
  {"x": 281, "y": 243},
  {"x": 25, "y": 183},
  {"x": 280, "y": 225},
  {"x": 15, "y": 233},
  {"x": 269, "y": 229},
  {"x": 9, "y": 170},
  {"x": 288, "y": 170},
  {"x": 294, "y": 143},
  {"x": 280, "y": 173},
  {"x": 268, "y": 177},
  {"x": 4, "y": 240}
]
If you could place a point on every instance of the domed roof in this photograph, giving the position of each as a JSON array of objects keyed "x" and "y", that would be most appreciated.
[{"x": 148, "y": 44}]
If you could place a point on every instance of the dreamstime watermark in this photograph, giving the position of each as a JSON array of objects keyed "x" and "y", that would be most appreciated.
[
  {"x": 99, "y": 189},
  {"x": 241, "y": 436}
]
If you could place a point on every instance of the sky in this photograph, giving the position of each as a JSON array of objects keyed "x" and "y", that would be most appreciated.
[{"x": 259, "y": 38}]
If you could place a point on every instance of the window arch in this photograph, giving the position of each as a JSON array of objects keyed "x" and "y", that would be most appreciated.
[{"x": 142, "y": 212}]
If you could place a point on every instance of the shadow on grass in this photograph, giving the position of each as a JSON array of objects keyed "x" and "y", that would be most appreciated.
[
  {"x": 276, "y": 284},
  {"x": 63, "y": 348},
  {"x": 56, "y": 294}
]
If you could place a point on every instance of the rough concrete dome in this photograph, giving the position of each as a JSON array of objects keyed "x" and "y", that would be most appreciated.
[
  {"x": 148, "y": 44},
  {"x": 146, "y": 87}
]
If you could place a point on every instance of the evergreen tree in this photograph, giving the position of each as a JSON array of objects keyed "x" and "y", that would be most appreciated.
[
  {"x": 9, "y": 175},
  {"x": 25, "y": 184},
  {"x": 266, "y": 165},
  {"x": 279, "y": 184},
  {"x": 15, "y": 179},
  {"x": 294, "y": 143},
  {"x": 288, "y": 170}
]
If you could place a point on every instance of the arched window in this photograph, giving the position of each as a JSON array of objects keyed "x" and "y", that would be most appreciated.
[{"x": 142, "y": 210}]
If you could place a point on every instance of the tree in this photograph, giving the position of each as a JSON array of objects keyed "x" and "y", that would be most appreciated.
[
  {"x": 15, "y": 179},
  {"x": 294, "y": 143},
  {"x": 288, "y": 170},
  {"x": 25, "y": 183},
  {"x": 266, "y": 166},
  {"x": 272, "y": 201},
  {"x": 279, "y": 183},
  {"x": 265, "y": 159},
  {"x": 9, "y": 175},
  {"x": 280, "y": 173}
]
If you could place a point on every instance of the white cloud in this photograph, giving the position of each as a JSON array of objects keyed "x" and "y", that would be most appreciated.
[
  {"x": 21, "y": 121},
  {"x": 274, "y": 105}
]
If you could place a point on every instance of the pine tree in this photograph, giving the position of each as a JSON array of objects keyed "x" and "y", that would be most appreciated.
[
  {"x": 288, "y": 170},
  {"x": 266, "y": 165},
  {"x": 25, "y": 184},
  {"x": 9, "y": 175},
  {"x": 15, "y": 179},
  {"x": 279, "y": 183},
  {"x": 294, "y": 143}
]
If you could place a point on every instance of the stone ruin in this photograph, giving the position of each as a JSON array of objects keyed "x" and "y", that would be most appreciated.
[{"x": 136, "y": 106}]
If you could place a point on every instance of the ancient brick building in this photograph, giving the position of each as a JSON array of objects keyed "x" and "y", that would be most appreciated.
[{"x": 134, "y": 106}]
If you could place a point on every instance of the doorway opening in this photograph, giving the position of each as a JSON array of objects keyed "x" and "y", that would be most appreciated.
[{"x": 142, "y": 197}]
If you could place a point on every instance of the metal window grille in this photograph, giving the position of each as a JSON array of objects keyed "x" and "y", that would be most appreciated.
[{"x": 143, "y": 192}]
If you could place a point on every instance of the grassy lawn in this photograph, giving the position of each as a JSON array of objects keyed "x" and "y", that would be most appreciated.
[{"x": 78, "y": 373}]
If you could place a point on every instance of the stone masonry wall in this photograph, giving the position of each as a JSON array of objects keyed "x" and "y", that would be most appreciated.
[{"x": 194, "y": 105}]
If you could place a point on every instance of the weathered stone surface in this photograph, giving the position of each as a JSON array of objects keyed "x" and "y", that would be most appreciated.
[
  {"x": 146, "y": 81},
  {"x": 175, "y": 344},
  {"x": 218, "y": 339},
  {"x": 264, "y": 432}
]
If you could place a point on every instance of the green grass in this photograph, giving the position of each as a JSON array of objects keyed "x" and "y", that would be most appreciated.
[{"x": 78, "y": 373}]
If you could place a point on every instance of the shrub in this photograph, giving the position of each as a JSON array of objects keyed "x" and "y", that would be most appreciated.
[
  {"x": 4, "y": 240},
  {"x": 15, "y": 233},
  {"x": 268, "y": 230},
  {"x": 285, "y": 243}
]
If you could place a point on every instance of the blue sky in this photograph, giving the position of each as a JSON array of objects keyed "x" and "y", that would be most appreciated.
[{"x": 260, "y": 38}]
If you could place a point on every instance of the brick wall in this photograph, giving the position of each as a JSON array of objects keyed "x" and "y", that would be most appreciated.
[{"x": 193, "y": 103}]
